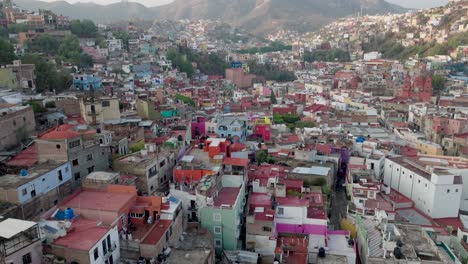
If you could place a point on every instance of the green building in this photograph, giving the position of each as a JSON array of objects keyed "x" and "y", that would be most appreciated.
[
  {"x": 7, "y": 79},
  {"x": 223, "y": 215}
]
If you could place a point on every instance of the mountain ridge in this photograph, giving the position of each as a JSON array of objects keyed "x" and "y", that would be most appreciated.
[{"x": 259, "y": 16}]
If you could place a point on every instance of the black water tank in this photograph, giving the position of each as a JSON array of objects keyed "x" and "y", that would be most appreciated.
[{"x": 321, "y": 252}]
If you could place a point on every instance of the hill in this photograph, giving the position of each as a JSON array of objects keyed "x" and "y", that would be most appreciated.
[{"x": 259, "y": 16}]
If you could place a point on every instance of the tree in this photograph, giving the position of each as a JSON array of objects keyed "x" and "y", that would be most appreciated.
[
  {"x": 327, "y": 55},
  {"x": 273, "y": 98},
  {"x": 438, "y": 83},
  {"x": 7, "y": 52},
  {"x": 70, "y": 51},
  {"x": 17, "y": 28},
  {"x": 48, "y": 78},
  {"x": 261, "y": 156},
  {"x": 84, "y": 28},
  {"x": 185, "y": 99},
  {"x": 44, "y": 43}
]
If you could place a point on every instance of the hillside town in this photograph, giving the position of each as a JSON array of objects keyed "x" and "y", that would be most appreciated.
[{"x": 198, "y": 142}]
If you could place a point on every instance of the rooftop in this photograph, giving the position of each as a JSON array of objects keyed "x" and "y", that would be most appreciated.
[
  {"x": 26, "y": 158},
  {"x": 59, "y": 133},
  {"x": 101, "y": 176},
  {"x": 11, "y": 227},
  {"x": 314, "y": 170},
  {"x": 14, "y": 181},
  {"x": 156, "y": 233},
  {"x": 83, "y": 235},
  {"x": 97, "y": 200},
  {"x": 227, "y": 196}
]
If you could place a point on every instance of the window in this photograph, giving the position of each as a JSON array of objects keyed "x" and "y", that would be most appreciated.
[
  {"x": 135, "y": 215},
  {"x": 267, "y": 229},
  {"x": 27, "y": 258},
  {"x": 419, "y": 181},
  {"x": 109, "y": 242},
  {"x": 90, "y": 169},
  {"x": 217, "y": 230},
  {"x": 280, "y": 211},
  {"x": 218, "y": 243},
  {"x": 104, "y": 247},
  {"x": 58, "y": 146},
  {"x": 24, "y": 191},
  {"x": 96, "y": 254},
  {"x": 456, "y": 190},
  {"x": 105, "y": 103},
  {"x": 77, "y": 176},
  {"x": 167, "y": 236},
  {"x": 14, "y": 122},
  {"x": 217, "y": 217},
  {"x": 75, "y": 162},
  {"x": 411, "y": 176},
  {"x": 89, "y": 157},
  {"x": 448, "y": 190},
  {"x": 162, "y": 163},
  {"x": 60, "y": 176}
]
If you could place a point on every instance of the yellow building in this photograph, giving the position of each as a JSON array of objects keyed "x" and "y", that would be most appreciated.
[
  {"x": 102, "y": 109},
  {"x": 429, "y": 148},
  {"x": 7, "y": 79}
]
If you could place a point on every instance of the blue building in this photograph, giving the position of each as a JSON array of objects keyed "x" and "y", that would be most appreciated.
[
  {"x": 233, "y": 127},
  {"x": 87, "y": 82}
]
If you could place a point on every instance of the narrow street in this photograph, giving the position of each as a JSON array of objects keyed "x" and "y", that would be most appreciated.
[{"x": 338, "y": 205}]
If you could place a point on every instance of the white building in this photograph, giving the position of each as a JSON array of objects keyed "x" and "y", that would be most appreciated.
[
  {"x": 114, "y": 44},
  {"x": 436, "y": 192},
  {"x": 40, "y": 180},
  {"x": 374, "y": 55}
]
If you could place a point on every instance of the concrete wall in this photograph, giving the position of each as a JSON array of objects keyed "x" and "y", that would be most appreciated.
[
  {"x": 13, "y": 124},
  {"x": 34, "y": 249}
]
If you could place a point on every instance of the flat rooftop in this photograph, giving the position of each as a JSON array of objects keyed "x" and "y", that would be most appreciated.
[
  {"x": 315, "y": 170},
  {"x": 227, "y": 196},
  {"x": 138, "y": 158},
  {"x": 101, "y": 176},
  {"x": 11, "y": 227},
  {"x": 13, "y": 181},
  {"x": 85, "y": 234},
  {"x": 199, "y": 159},
  {"x": 157, "y": 232},
  {"x": 96, "y": 200}
]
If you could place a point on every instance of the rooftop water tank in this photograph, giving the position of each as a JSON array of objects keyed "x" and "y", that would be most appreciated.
[
  {"x": 69, "y": 213},
  {"x": 24, "y": 173}
]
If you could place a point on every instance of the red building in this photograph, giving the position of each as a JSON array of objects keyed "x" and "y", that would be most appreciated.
[{"x": 419, "y": 88}]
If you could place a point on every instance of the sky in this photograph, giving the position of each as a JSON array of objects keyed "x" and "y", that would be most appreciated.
[{"x": 405, "y": 3}]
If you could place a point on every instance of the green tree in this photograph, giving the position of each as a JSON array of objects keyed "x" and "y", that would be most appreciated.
[
  {"x": 273, "y": 98},
  {"x": 48, "y": 78},
  {"x": 7, "y": 52},
  {"x": 438, "y": 83},
  {"x": 17, "y": 28},
  {"x": 44, "y": 44},
  {"x": 70, "y": 51},
  {"x": 327, "y": 55},
  {"x": 261, "y": 156},
  {"x": 123, "y": 35},
  {"x": 185, "y": 99},
  {"x": 83, "y": 28}
]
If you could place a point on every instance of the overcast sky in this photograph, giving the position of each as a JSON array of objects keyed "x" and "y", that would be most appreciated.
[{"x": 405, "y": 3}]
